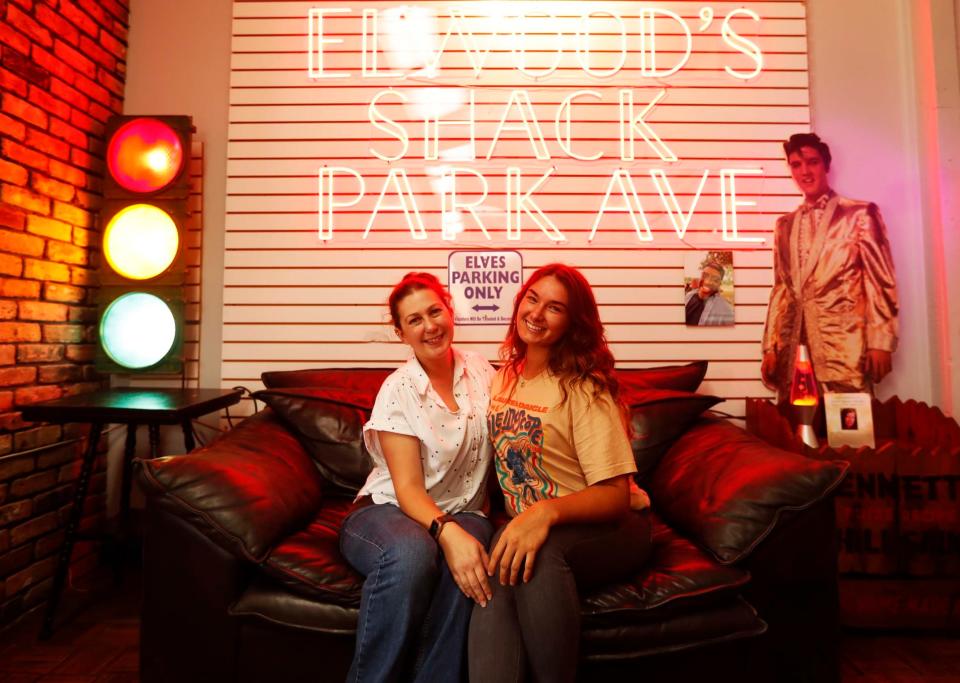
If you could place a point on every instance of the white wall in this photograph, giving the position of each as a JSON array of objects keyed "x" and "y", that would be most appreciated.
[{"x": 864, "y": 94}]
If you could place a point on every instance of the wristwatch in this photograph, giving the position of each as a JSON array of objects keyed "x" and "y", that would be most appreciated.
[{"x": 436, "y": 526}]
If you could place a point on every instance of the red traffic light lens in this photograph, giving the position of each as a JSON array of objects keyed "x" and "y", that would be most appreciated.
[{"x": 144, "y": 155}]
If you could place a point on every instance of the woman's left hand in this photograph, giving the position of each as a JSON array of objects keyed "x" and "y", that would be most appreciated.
[{"x": 519, "y": 543}]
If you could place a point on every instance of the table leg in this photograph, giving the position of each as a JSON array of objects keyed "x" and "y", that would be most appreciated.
[
  {"x": 73, "y": 524},
  {"x": 129, "y": 452},
  {"x": 188, "y": 440},
  {"x": 154, "y": 431}
]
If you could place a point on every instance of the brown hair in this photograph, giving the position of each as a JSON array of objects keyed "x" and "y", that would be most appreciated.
[
  {"x": 413, "y": 282},
  {"x": 798, "y": 140},
  {"x": 582, "y": 354}
]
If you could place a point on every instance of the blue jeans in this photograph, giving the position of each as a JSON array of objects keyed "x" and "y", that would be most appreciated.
[{"x": 413, "y": 618}]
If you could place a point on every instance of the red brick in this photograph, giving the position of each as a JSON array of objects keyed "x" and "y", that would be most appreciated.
[
  {"x": 81, "y": 352},
  {"x": 15, "y": 467},
  {"x": 18, "y": 374},
  {"x": 12, "y": 173},
  {"x": 67, "y": 173},
  {"x": 53, "y": 188},
  {"x": 26, "y": 395},
  {"x": 112, "y": 45},
  {"x": 50, "y": 62},
  {"x": 48, "y": 144},
  {"x": 19, "y": 332},
  {"x": 111, "y": 82},
  {"x": 82, "y": 314},
  {"x": 24, "y": 111},
  {"x": 11, "y": 265},
  {"x": 81, "y": 388},
  {"x": 36, "y": 482},
  {"x": 19, "y": 289},
  {"x": 4, "y": 536},
  {"x": 24, "y": 198},
  {"x": 6, "y": 403},
  {"x": 28, "y": 25},
  {"x": 12, "y": 127},
  {"x": 67, "y": 132},
  {"x": 7, "y": 354},
  {"x": 72, "y": 215},
  {"x": 18, "y": 152},
  {"x": 51, "y": 543},
  {"x": 49, "y": 227},
  {"x": 80, "y": 158},
  {"x": 11, "y": 217},
  {"x": 59, "y": 374},
  {"x": 8, "y": 309},
  {"x": 67, "y": 253},
  {"x": 68, "y": 334},
  {"x": 43, "y": 311},
  {"x": 61, "y": 454},
  {"x": 14, "y": 513},
  {"x": 39, "y": 353},
  {"x": 97, "y": 53},
  {"x": 46, "y": 270},
  {"x": 56, "y": 23},
  {"x": 117, "y": 9},
  {"x": 32, "y": 438},
  {"x": 84, "y": 238},
  {"x": 53, "y": 291},
  {"x": 86, "y": 123},
  {"x": 11, "y": 82},
  {"x": 68, "y": 93},
  {"x": 10, "y": 36},
  {"x": 83, "y": 277},
  {"x": 35, "y": 527},
  {"x": 99, "y": 112},
  {"x": 19, "y": 242},
  {"x": 90, "y": 202},
  {"x": 50, "y": 104},
  {"x": 78, "y": 17},
  {"x": 13, "y": 421},
  {"x": 92, "y": 89},
  {"x": 26, "y": 68},
  {"x": 75, "y": 59}
]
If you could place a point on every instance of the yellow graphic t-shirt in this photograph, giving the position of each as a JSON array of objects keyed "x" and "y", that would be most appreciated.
[{"x": 545, "y": 449}]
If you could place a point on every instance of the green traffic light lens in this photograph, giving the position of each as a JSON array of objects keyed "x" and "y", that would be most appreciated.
[{"x": 137, "y": 330}]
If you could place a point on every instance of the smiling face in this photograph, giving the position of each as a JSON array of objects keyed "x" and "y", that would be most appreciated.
[
  {"x": 426, "y": 324},
  {"x": 710, "y": 281},
  {"x": 542, "y": 316},
  {"x": 809, "y": 172}
]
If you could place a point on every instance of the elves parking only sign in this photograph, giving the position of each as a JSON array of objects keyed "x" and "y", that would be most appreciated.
[{"x": 483, "y": 285}]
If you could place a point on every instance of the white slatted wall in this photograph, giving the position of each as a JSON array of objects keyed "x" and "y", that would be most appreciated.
[{"x": 293, "y": 300}]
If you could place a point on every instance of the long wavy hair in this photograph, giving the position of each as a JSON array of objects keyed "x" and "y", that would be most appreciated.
[{"x": 581, "y": 355}]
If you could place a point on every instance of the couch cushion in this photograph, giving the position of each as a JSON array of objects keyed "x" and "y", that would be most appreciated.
[
  {"x": 659, "y": 417},
  {"x": 678, "y": 377},
  {"x": 329, "y": 424},
  {"x": 309, "y": 562},
  {"x": 726, "y": 489},
  {"x": 272, "y": 602},
  {"x": 246, "y": 491},
  {"x": 727, "y": 621},
  {"x": 678, "y": 576},
  {"x": 362, "y": 383}
]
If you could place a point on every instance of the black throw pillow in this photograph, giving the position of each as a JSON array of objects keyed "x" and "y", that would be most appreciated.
[{"x": 659, "y": 417}]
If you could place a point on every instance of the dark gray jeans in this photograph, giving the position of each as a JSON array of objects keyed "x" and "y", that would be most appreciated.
[{"x": 535, "y": 626}]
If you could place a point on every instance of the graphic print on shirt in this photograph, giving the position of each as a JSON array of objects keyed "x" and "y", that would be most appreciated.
[{"x": 518, "y": 443}]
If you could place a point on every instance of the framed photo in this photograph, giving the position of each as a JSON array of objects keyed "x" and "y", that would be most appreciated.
[
  {"x": 849, "y": 420},
  {"x": 708, "y": 288}
]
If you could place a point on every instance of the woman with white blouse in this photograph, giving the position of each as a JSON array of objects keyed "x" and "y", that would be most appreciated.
[{"x": 419, "y": 531}]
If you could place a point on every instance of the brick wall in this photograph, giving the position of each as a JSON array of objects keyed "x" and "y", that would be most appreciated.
[{"x": 62, "y": 68}]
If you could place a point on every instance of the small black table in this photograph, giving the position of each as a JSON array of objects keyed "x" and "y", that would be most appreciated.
[{"x": 152, "y": 407}]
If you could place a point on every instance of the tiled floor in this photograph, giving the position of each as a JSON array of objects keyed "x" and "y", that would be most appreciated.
[{"x": 96, "y": 642}]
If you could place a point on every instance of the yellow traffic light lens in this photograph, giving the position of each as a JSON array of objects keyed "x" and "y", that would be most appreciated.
[
  {"x": 141, "y": 241},
  {"x": 137, "y": 330},
  {"x": 144, "y": 155}
]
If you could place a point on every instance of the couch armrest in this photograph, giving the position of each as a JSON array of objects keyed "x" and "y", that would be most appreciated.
[
  {"x": 727, "y": 490},
  {"x": 245, "y": 491}
]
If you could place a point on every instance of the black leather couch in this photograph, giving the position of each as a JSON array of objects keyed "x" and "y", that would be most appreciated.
[{"x": 244, "y": 580}]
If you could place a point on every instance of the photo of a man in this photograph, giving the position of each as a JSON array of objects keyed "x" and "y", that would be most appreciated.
[{"x": 708, "y": 298}]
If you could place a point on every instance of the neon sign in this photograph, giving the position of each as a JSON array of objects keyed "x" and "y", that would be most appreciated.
[{"x": 413, "y": 53}]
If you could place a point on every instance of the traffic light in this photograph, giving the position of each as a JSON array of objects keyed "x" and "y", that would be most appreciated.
[{"x": 143, "y": 237}]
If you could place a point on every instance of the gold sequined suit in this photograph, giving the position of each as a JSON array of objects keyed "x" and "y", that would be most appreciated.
[{"x": 844, "y": 296}]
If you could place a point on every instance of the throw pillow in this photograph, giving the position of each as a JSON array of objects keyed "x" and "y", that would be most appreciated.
[
  {"x": 677, "y": 377},
  {"x": 726, "y": 489},
  {"x": 329, "y": 425},
  {"x": 659, "y": 417}
]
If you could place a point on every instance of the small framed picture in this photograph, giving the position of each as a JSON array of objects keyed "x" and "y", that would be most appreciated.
[
  {"x": 708, "y": 288},
  {"x": 849, "y": 420}
]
